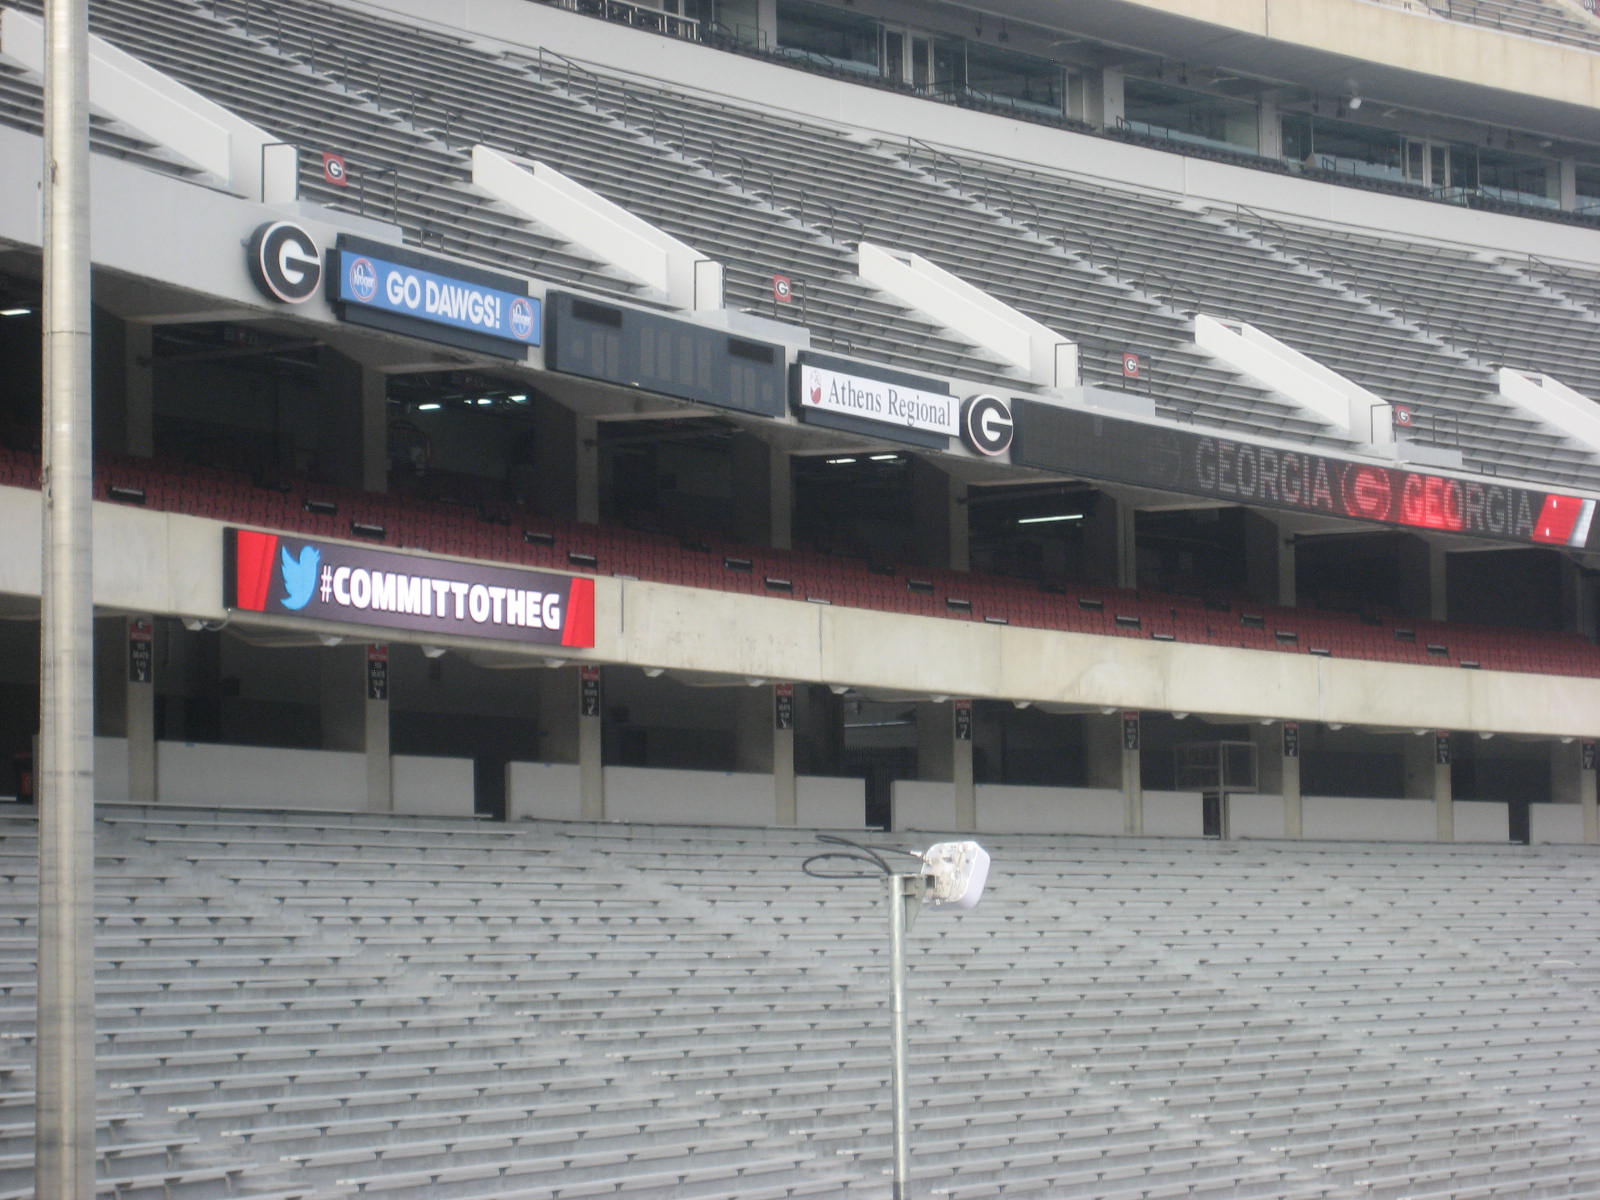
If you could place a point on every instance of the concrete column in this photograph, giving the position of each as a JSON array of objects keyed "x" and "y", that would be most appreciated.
[
  {"x": 351, "y": 435},
  {"x": 138, "y": 375},
  {"x": 935, "y": 745},
  {"x": 785, "y": 790},
  {"x": 586, "y": 474},
  {"x": 1273, "y": 769},
  {"x": 1577, "y": 599},
  {"x": 551, "y": 479},
  {"x": 1443, "y": 796},
  {"x": 557, "y": 697},
  {"x": 374, "y": 418},
  {"x": 1419, "y": 764},
  {"x": 140, "y": 713},
  {"x": 763, "y": 498},
  {"x": 1264, "y": 552},
  {"x": 1438, "y": 583},
  {"x": 1132, "y": 793},
  {"x": 591, "y": 702},
  {"x": 380, "y": 752},
  {"x": 938, "y": 503},
  {"x": 761, "y": 748},
  {"x": 1110, "y": 544},
  {"x": 1566, "y": 773},
  {"x": 961, "y": 773},
  {"x": 1102, "y": 750},
  {"x": 1293, "y": 798},
  {"x": 1589, "y": 797},
  {"x": 342, "y": 689},
  {"x": 1103, "y": 97},
  {"x": 1567, "y": 184},
  {"x": 1422, "y": 577},
  {"x": 1573, "y": 783},
  {"x": 780, "y": 498},
  {"x": 1269, "y": 143},
  {"x": 353, "y": 720}
]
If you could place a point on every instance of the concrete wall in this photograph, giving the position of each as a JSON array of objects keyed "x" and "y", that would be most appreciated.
[
  {"x": 917, "y": 805},
  {"x": 1011, "y": 809},
  {"x": 1481, "y": 821},
  {"x": 222, "y": 776},
  {"x": 546, "y": 791},
  {"x": 1559, "y": 823},
  {"x": 1344, "y": 818},
  {"x": 825, "y": 803},
  {"x": 1255, "y": 816},
  {"x": 432, "y": 787}
]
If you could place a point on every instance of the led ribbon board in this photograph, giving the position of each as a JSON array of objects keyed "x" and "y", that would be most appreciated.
[
  {"x": 663, "y": 355},
  {"x": 398, "y": 290},
  {"x": 1096, "y": 446},
  {"x": 328, "y": 581}
]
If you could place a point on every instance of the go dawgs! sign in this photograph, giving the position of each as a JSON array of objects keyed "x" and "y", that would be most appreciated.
[{"x": 329, "y": 581}]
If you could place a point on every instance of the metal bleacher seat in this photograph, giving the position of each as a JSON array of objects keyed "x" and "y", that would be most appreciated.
[{"x": 1132, "y": 1018}]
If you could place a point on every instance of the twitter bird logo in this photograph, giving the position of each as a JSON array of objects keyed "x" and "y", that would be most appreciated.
[{"x": 300, "y": 576}]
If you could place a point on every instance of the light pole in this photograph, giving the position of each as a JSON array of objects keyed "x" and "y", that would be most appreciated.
[{"x": 948, "y": 875}]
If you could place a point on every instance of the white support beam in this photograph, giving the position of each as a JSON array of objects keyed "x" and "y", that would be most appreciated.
[
  {"x": 1553, "y": 402},
  {"x": 246, "y": 159},
  {"x": 1324, "y": 394},
  {"x": 1041, "y": 354},
  {"x": 678, "y": 272}
]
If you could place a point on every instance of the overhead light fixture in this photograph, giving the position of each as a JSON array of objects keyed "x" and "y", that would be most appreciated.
[
  {"x": 485, "y": 400},
  {"x": 19, "y": 311},
  {"x": 1049, "y": 519},
  {"x": 654, "y": 672},
  {"x": 840, "y": 462},
  {"x": 519, "y": 398},
  {"x": 885, "y": 457},
  {"x": 1355, "y": 103},
  {"x": 433, "y": 652},
  {"x": 430, "y": 406}
]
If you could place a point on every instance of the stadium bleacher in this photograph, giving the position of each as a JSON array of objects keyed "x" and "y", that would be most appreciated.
[
  {"x": 336, "y": 1005},
  {"x": 343, "y": 998}
]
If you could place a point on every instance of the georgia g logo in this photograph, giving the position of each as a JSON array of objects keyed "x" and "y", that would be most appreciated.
[
  {"x": 285, "y": 262},
  {"x": 986, "y": 425}
]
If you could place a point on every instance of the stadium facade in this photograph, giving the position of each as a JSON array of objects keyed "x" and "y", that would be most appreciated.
[{"x": 833, "y": 415}]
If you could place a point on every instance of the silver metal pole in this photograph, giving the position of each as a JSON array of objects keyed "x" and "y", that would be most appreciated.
[
  {"x": 897, "y": 890},
  {"x": 64, "y": 1156}
]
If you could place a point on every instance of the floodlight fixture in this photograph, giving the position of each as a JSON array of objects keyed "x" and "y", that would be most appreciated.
[{"x": 949, "y": 875}]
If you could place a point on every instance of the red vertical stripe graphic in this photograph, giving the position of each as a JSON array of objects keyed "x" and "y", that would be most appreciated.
[
  {"x": 254, "y": 556},
  {"x": 1564, "y": 521},
  {"x": 579, "y": 627}
]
